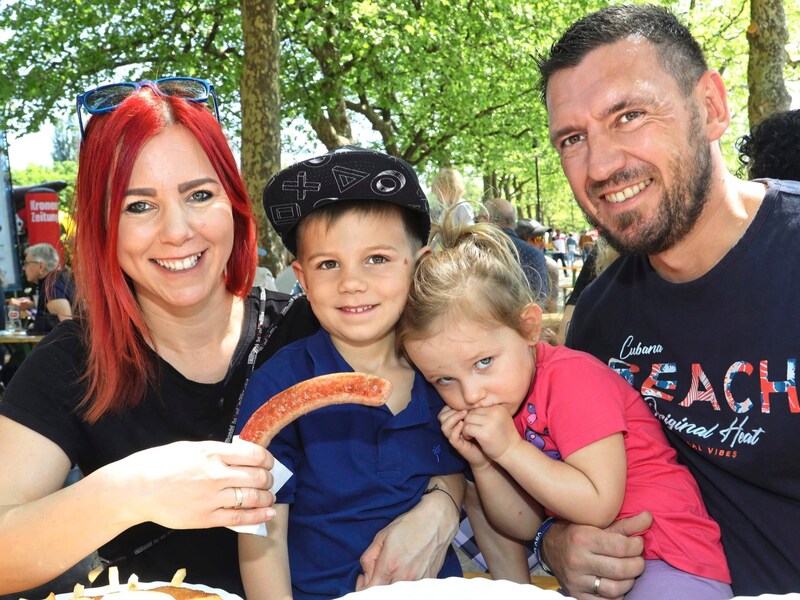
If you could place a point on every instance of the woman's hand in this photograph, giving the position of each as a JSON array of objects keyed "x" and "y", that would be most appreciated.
[
  {"x": 181, "y": 485},
  {"x": 188, "y": 485},
  {"x": 414, "y": 545},
  {"x": 452, "y": 422},
  {"x": 578, "y": 554}
]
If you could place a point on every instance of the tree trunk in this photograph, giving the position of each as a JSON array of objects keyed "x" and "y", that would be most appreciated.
[
  {"x": 491, "y": 188},
  {"x": 261, "y": 122},
  {"x": 767, "y": 37}
]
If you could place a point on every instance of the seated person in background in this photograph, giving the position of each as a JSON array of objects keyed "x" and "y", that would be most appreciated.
[
  {"x": 772, "y": 148},
  {"x": 532, "y": 232},
  {"x": 503, "y": 215},
  {"x": 357, "y": 469},
  {"x": 56, "y": 287},
  {"x": 600, "y": 256},
  {"x": 547, "y": 426}
]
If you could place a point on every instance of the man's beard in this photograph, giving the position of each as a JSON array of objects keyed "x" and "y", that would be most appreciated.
[{"x": 680, "y": 207}]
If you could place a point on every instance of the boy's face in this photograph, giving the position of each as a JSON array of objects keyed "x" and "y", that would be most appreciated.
[
  {"x": 356, "y": 274},
  {"x": 472, "y": 365}
]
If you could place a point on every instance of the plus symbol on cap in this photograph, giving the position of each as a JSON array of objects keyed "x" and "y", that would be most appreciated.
[{"x": 301, "y": 186}]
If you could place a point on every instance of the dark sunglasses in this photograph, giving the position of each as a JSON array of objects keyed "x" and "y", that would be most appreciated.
[{"x": 106, "y": 98}]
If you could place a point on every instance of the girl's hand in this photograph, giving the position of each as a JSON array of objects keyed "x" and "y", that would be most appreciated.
[
  {"x": 452, "y": 422},
  {"x": 493, "y": 428},
  {"x": 189, "y": 485}
]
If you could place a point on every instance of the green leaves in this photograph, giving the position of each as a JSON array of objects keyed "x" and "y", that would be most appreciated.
[
  {"x": 58, "y": 49},
  {"x": 446, "y": 81}
]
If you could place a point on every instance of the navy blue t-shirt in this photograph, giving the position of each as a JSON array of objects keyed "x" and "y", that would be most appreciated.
[
  {"x": 57, "y": 285},
  {"x": 356, "y": 468},
  {"x": 715, "y": 359}
]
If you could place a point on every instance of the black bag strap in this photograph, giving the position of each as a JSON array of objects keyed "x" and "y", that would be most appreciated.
[
  {"x": 263, "y": 336},
  {"x": 264, "y": 332}
]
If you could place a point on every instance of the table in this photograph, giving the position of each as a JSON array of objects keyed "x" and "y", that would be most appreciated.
[
  {"x": 17, "y": 346},
  {"x": 575, "y": 270},
  {"x": 479, "y": 587},
  {"x": 543, "y": 581},
  {"x": 566, "y": 289},
  {"x": 18, "y": 337}
]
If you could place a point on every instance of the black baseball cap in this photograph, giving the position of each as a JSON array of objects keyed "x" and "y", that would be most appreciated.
[
  {"x": 346, "y": 173},
  {"x": 532, "y": 228}
]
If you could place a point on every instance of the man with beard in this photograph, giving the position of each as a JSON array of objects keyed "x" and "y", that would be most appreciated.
[{"x": 696, "y": 314}]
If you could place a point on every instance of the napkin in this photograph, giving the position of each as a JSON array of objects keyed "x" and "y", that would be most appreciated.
[{"x": 280, "y": 475}]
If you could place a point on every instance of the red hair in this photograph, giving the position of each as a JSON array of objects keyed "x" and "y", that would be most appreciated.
[{"x": 119, "y": 366}]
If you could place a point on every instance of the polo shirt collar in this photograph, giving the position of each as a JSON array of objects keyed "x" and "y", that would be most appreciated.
[{"x": 326, "y": 359}]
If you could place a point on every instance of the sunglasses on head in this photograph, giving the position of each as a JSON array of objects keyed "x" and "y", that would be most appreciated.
[{"x": 106, "y": 98}]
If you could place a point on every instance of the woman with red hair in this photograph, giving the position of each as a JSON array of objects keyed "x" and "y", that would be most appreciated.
[
  {"x": 142, "y": 390},
  {"x": 144, "y": 387}
]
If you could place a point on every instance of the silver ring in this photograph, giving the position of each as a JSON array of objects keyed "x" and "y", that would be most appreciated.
[
  {"x": 596, "y": 586},
  {"x": 240, "y": 498}
]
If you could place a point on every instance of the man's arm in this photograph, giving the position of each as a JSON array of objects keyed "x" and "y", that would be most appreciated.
[
  {"x": 577, "y": 554},
  {"x": 60, "y": 307}
]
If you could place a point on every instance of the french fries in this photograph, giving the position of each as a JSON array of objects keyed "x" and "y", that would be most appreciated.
[{"x": 115, "y": 589}]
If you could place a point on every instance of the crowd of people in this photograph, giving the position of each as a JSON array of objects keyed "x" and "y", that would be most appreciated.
[{"x": 651, "y": 456}]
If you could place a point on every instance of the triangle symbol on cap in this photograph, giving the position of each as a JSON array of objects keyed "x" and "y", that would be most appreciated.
[{"x": 347, "y": 178}]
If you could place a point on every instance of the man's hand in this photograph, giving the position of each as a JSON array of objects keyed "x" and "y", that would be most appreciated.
[{"x": 578, "y": 554}]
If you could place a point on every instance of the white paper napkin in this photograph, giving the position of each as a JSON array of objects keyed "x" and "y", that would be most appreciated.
[{"x": 280, "y": 475}]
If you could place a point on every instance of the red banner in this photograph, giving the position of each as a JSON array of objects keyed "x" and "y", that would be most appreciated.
[{"x": 41, "y": 218}]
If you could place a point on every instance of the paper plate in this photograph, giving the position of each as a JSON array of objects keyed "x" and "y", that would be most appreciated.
[
  {"x": 455, "y": 587},
  {"x": 107, "y": 589}
]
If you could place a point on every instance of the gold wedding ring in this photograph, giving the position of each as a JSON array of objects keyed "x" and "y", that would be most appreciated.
[
  {"x": 240, "y": 499},
  {"x": 596, "y": 586}
]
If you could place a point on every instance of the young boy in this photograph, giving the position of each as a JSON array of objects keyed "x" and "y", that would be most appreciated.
[{"x": 357, "y": 221}]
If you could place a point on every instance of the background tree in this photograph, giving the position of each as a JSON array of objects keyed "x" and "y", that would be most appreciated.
[
  {"x": 66, "y": 141},
  {"x": 768, "y": 37},
  {"x": 433, "y": 82},
  {"x": 261, "y": 119},
  {"x": 65, "y": 170}
]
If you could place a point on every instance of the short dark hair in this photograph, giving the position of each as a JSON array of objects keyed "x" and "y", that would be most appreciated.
[
  {"x": 772, "y": 148},
  {"x": 415, "y": 225},
  {"x": 678, "y": 51}
]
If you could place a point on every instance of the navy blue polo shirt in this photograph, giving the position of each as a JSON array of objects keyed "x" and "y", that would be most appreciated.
[{"x": 356, "y": 468}]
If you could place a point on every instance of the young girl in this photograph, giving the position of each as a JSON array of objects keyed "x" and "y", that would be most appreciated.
[{"x": 546, "y": 425}]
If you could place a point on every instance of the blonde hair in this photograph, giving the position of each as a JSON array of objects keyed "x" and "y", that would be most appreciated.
[
  {"x": 472, "y": 272},
  {"x": 605, "y": 255},
  {"x": 448, "y": 186}
]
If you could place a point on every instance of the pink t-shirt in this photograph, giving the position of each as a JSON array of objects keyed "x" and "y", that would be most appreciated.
[{"x": 576, "y": 400}]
